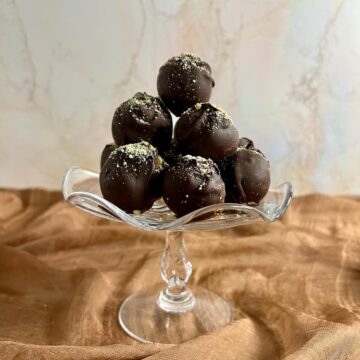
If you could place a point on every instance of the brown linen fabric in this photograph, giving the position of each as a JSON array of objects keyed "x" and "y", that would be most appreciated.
[{"x": 294, "y": 284}]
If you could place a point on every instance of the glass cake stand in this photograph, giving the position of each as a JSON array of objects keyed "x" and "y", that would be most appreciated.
[{"x": 175, "y": 312}]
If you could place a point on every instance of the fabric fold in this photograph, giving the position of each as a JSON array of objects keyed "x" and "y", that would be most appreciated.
[{"x": 294, "y": 285}]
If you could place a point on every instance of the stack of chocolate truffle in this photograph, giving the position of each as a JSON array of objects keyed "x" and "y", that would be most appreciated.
[{"x": 204, "y": 163}]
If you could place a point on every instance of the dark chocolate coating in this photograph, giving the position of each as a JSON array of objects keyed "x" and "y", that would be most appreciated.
[
  {"x": 172, "y": 154},
  {"x": 246, "y": 174},
  {"x": 246, "y": 143},
  {"x": 192, "y": 183},
  {"x": 131, "y": 177},
  {"x": 105, "y": 153},
  {"x": 183, "y": 81},
  {"x": 143, "y": 117},
  {"x": 207, "y": 131}
]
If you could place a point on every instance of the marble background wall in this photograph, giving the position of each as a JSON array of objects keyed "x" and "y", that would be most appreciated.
[{"x": 288, "y": 73}]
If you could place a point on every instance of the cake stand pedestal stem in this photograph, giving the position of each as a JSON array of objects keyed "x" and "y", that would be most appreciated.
[
  {"x": 174, "y": 313},
  {"x": 176, "y": 270}
]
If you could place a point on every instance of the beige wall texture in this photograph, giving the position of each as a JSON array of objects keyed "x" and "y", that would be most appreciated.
[{"x": 288, "y": 73}]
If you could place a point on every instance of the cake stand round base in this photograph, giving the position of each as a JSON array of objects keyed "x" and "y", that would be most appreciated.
[{"x": 141, "y": 317}]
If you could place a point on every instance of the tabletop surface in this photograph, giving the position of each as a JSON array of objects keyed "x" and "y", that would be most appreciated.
[{"x": 294, "y": 284}]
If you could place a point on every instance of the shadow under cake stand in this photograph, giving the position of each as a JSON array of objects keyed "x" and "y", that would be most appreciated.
[{"x": 173, "y": 313}]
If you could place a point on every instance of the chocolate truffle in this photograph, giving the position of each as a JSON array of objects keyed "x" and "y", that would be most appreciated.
[
  {"x": 143, "y": 117},
  {"x": 131, "y": 177},
  {"x": 105, "y": 153},
  {"x": 183, "y": 81},
  {"x": 172, "y": 154},
  {"x": 246, "y": 174},
  {"x": 192, "y": 183},
  {"x": 207, "y": 131}
]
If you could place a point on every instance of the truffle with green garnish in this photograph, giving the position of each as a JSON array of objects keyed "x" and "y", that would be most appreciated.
[
  {"x": 206, "y": 130},
  {"x": 131, "y": 178},
  {"x": 183, "y": 81},
  {"x": 143, "y": 117},
  {"x": 192, "y": 183}
]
